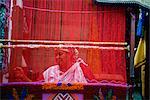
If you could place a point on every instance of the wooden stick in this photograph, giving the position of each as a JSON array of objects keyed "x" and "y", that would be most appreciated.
[
  {"x": 60, "y": 46},
  {"x": 65, "y": 42}
]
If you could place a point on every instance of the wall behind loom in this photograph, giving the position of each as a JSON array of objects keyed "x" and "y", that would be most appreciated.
[{"x": 75, "y": 20}]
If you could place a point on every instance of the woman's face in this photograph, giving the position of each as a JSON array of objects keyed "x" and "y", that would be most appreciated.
[{"x": 62, "y": 57}]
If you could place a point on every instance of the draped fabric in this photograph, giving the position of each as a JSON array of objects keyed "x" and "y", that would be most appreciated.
[{"x": 75, "y": 20}]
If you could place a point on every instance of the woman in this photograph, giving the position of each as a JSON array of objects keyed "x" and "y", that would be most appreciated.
[{"x": 69, "y": 68}]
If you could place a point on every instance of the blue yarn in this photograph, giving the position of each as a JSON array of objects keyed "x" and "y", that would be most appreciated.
[
  {"x": 59, "y": 84},
  {"x": 23, "y": 94},
  {"x": 140, "y": 25}
]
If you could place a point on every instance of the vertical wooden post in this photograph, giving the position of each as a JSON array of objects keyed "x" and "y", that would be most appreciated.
[
  {"x": 132, "y": 44},
  {"x": 10, "y": 29},
  {"x": 147, "y": 67}
]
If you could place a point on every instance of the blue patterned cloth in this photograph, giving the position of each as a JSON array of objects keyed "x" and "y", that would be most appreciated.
[
  {"x": 140, "y": 24},
  {"x": 2, "y": 21},
  {"x": 2, "y": 32}
]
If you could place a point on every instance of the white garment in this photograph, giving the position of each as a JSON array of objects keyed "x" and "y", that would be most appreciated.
[
  {"x": 19, "y": 3},
  {"x": 72, "y": 75}
]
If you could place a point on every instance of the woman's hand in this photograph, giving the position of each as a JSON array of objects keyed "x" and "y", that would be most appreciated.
[{"x": 19, "y": 75}]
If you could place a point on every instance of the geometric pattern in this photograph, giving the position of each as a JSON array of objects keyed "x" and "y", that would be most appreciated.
[{"x": 63, "y": 96}]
